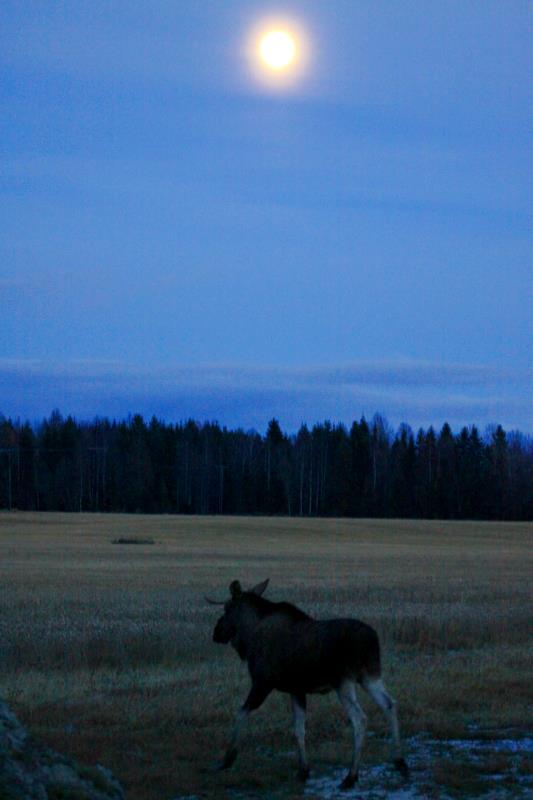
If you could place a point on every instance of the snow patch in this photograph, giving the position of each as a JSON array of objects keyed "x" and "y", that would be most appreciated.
[{"x": 382, "y": 783}]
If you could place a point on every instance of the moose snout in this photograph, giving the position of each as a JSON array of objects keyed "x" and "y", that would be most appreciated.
[{"x": 220, "y": 635}]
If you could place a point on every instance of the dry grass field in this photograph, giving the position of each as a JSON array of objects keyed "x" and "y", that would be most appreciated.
[{"x": 106, "y": 651}]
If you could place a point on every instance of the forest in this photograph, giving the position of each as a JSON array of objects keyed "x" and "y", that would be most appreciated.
[{"x": 330, "y": 470}]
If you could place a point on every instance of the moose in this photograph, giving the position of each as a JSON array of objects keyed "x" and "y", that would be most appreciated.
[{"x": 288, "y": 650}]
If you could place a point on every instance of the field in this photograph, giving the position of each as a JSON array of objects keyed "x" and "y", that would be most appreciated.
[{"x": 106, "y": 650}]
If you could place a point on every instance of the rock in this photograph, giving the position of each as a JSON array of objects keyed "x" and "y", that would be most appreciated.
[{"x": 30, "y": 771}]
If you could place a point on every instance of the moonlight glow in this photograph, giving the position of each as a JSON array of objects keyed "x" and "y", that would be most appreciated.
[
  {"x": 278, "y": 53},
  {"x": 277, "y": 50}
]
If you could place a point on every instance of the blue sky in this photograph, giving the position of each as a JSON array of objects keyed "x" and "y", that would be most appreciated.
[{"x": 180, "y": 239}]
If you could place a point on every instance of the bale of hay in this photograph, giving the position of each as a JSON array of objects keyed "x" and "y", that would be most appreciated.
[{"x": 134, "y": 540}]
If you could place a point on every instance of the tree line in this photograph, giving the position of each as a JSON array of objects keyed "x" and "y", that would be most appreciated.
[{"x": 366, "y": 470}]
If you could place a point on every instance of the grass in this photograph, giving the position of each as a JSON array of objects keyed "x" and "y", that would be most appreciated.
[{"x": 106, "y": 652}]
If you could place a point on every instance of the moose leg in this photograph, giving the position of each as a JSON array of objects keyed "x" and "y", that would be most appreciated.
[
  {"x": 379, "y": 694},
  {"x": 298, "y": 717},
  {"x": 357, "y": 717},
  {"x": 257, "y": 696}
]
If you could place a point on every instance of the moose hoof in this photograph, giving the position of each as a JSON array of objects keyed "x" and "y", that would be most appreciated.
[
  {"x": 401, "y": 766},
  {"x": 303, "y": 774},
  {"x": 228, "y": 760},
  {"x": 349, "y": 781}
]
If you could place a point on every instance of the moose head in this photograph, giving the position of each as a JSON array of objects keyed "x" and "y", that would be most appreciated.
[{"x": 235, "y": 609}]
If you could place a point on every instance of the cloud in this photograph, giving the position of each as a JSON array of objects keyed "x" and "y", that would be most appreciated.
[{"x": 420, "y": 393}]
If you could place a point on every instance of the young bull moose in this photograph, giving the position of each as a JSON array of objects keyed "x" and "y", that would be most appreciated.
[{"x": 290, "y": 651}]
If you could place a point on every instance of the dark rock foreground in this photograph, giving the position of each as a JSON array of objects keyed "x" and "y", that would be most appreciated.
[{"x": 31, "y": 771}]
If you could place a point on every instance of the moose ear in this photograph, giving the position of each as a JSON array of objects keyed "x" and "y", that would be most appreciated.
[
  {"x": 260, "y": 588},
  {"x": 215, "y": 602},
  {"x": 235, "y": 589}
]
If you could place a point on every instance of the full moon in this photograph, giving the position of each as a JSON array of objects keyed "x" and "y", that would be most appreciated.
[
  {"x": 278, "y": 53},
  {"x": 277, "y": 50}
]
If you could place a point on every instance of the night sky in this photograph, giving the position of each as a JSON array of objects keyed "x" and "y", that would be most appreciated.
[{"x": 181, "y": 237}]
